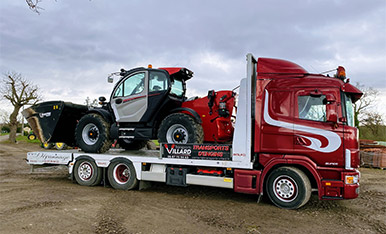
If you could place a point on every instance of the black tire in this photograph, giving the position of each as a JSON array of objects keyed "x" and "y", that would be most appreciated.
[
  {"x": 180, "y": 128},
  {"x": 47, "y": 145},
  {"x": 128, "y": 144},
  {"x": 92, "y": 134},
  {"x": 288, "y": 187},
  {"x": 87, "y": 173},
  {"x": 121, "y": 174},
  {"x": 60, "y": 146}
]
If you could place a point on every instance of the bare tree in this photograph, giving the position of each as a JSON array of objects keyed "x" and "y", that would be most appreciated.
[
  {"x": 91, "y": 103},
  {"x": 19, "y": 91},
  {"x": 363, "y": 104},
  {"x": 33, "y": 5}
]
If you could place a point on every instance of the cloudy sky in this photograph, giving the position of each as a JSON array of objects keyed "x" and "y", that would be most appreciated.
[{"x": 70, "y": 48}]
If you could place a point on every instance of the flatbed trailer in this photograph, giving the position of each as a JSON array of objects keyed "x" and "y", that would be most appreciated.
[{"x": 276, "y": 148}]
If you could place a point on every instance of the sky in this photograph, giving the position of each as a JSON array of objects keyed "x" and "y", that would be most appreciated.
[{"x": 70, "y": 48}]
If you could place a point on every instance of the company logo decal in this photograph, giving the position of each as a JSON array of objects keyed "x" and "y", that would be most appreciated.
[
  {"x": 196, "y": 151},
  {"x": 334, "y": 141},
  {"x": 47, "y": 114}
]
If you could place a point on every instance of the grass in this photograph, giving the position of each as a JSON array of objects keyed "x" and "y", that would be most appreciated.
[{"x": 23, "y": 139}]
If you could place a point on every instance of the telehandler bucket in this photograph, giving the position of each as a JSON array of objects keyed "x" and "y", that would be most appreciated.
[{"x": 55, "y": 121}]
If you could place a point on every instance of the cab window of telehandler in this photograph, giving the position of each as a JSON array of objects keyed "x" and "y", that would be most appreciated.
[
  {"x": 133, "y": 85},
  {"x": 158, "y": 82},
  {"x": 177, "y": 88},
  {"x": 312, "y": 108}
]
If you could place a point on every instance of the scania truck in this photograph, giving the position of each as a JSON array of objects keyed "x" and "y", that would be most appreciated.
[{"x": 292, "y": 134}]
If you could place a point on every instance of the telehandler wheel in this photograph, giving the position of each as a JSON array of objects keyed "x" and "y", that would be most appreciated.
[
  {"x": 288, "y": 187},
  {"x": 60, "y": 146},
  {"x": 128, "y": 144},
  {"x": 92, "y": 134},
  {"x": 180, "y": 128},
  {"x": 87, "y": 173},
  {"x": 121, "y": 174}
]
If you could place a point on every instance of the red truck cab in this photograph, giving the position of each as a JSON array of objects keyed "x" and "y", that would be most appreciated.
[{"x": 304, "y": 122}]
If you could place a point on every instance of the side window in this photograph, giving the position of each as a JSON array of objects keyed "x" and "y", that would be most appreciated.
[
  {"x": 312, "y": 108},
  {"x": 158, "y": 82},
  {"x": 177, "y": 88},
  {"x": 119, "y": 91},
  {"x": 133, "y": 85}
]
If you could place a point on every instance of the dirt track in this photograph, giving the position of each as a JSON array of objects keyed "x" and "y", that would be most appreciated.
[{"x": 48, "y": 202}]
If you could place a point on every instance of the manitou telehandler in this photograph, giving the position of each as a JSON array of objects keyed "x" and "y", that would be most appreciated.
[{"x": 145, "y": 104}]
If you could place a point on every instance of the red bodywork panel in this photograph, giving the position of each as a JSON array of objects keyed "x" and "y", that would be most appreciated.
[{"x": 216, "y": 128}]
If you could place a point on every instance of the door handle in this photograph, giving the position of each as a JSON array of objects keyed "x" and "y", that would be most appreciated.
[
  {"x": 118, "y": 101},
  {"x": 300, "y": 141}
]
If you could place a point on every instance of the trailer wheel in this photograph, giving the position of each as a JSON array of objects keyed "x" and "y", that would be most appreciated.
[
  {"x": 92, "y": 134},
  {"x": 121, "y": 175},
  {"x": 128, "y": 144},
  {"x": 288, "y": 187},
  {"x": 60, "y": 146},
  {"x": 180, "y": 128},
  {"x": 87, "y": 173}
]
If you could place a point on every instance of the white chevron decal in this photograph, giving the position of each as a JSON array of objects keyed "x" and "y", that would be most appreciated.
[{"x": 334, "y": 141}]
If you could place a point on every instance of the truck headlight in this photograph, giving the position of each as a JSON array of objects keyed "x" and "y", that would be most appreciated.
[{"x": 351, "y": 179}]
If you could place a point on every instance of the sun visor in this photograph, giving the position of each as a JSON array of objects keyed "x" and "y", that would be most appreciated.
[{"x": 355, "y": 93}]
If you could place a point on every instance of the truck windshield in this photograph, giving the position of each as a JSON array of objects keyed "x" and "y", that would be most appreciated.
[
  {"x": 177, "y": 88},
  {"x": 349, "y": 109}
]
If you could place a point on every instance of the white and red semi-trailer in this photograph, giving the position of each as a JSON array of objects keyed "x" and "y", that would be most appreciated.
[{"x": 293, "y": 134}]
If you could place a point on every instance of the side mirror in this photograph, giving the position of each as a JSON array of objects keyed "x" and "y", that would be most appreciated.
[
  {"x": 332, "y": 115},
  {"x": 110, "y": 79}
]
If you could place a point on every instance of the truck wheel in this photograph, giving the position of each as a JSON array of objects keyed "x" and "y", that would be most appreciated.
[
  {"x": 180, "y": 128},
  {"x": 132, "y": 144},
  {"x": 60, "y": 146},
  {"x": 288, "y": 187},
  {"x": 87, "y": 173},
  {"x": 121, "y": 175},
  {"x": 92, "y": 134}
]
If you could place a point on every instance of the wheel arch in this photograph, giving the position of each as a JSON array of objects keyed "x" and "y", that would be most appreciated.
[
  {"x": 309, "y": 168},
  {"x": 106, "y": 115},
  {"x": 192, "y": 113}
]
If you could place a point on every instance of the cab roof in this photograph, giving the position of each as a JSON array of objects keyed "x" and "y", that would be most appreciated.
[{"x": 178, "y": 73}]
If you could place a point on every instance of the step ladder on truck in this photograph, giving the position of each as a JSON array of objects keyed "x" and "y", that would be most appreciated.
[{"x": 293, "y": 134}]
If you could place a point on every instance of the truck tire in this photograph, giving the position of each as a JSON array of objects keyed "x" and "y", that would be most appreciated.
[
  {"x": 288, "y": 187},
  {"x": 121, "y": 175},
  {"x": 180, "y": 128},
  {"x": 60, "y": 146},
  {"x": 128, "y": 144},
  {"x": 92, "y": 134},
  {"x": 87, "y": 173}
]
